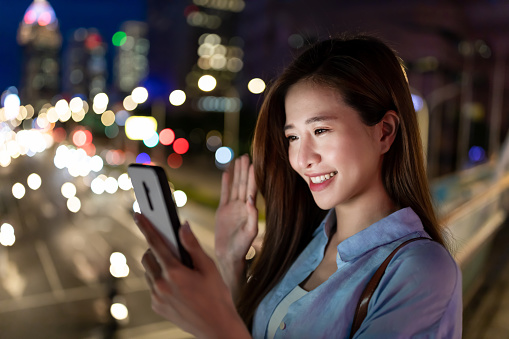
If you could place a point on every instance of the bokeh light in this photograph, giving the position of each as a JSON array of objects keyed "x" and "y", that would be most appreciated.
[
  {"x": 11, "y": 106},
  {"x": 96, "y": 163},
  {"x": 140, "y": 127},
  {"x": 110, "y": 185},
  {"x": 34, "y": 181},
  {"x": 73, "y": 204},
  {"x": 418, "y": 102},
  {"x": 100, "y": 103},
  {"x": 111, "y": 131},
  {"x": 61, "y": 107},
  {"x": 18, "y": 190},
  {"x": 119, "y": 311},
  {"x": 296, "y": 41},
  {"x": 115, "y": 157},
  {"x": 124, "y": 182},
  {"x": 224, "y": 155},
  {"x": 152, "y": 141},
  {"x": 68, "y": 190},
  {"x": 129, "y": 103},
  {"x": 7, "y": 237},
  {"x": 59, "y": 134},
  {"x": 82, "y": 137},
  {"x": 139, "y": 95},
  {"x": 119, "y": 38},
  {"x": 143, "y": 158},
  {"x": 214, "y": 140},
  {"x": 118, "y": 265},
  {"x": 476, "y": 154},
  {"x": 177, "y": 97},
  {"x": 97, "y": 185},
  {"x": 175, "y": 160},
  {"x": 180, "y": 198},
  {"x": 121, "y": 117},
  {"x": 207, "y": 83},
  {"x": 76, "y": 104},
  {"x": 166, "y": 136},
  {"x": 180, "y": 146},
  {"x": 256, "y": 86},
  {"x": 136, "y": 207},
  {"x": 108, "y": 118},
  {"x": 117, "y": 258}
]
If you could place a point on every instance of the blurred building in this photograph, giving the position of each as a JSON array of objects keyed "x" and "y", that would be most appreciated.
[
  {"x": 85, "y": 69},
  {"x": 40, "y": 38},
  {"x": 190, "y": 39},
  {"x": 455, "y": 53},
  {"x": 131, "y": 63}
]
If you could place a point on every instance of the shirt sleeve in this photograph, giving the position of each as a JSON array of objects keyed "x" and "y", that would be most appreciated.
[{"x": 419, "y": 296}]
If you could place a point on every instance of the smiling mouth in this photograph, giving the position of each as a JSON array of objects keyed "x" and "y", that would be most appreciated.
[{"x": 321, "y": 178}]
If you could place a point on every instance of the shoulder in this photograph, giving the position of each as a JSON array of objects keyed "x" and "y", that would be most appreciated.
[
  {"x": 427, "y": 260},
  {"x": 419, "y": 294},
  {"x": 423, "y": 269}
]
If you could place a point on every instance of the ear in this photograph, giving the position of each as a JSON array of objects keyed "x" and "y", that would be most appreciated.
[{"x": 389, "y": 126}]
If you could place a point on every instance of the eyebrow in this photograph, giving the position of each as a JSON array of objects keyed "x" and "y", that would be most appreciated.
[{"x": 312, "y": 120}]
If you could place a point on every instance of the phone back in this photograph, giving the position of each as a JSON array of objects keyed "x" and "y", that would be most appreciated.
[{"x": 156, "y": 202}]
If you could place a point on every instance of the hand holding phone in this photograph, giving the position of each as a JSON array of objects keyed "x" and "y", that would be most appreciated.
[{"x": 157, "y": 205}]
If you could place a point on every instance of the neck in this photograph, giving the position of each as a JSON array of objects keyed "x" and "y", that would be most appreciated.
[{"x": 361, "y": 212}]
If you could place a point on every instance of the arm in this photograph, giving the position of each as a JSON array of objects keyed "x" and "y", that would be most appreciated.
[
  {"x": 197, "y": 300},
  {"x": 236, "y": 223},
  {"x": 419, "y": 297}
]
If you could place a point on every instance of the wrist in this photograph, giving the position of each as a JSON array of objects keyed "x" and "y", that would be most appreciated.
[
  {"x": 234, "y": 328},
  {"x": 233, "y": 273}
]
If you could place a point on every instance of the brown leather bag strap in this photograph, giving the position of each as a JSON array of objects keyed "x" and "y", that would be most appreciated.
[{"x": 362, "y": 307}]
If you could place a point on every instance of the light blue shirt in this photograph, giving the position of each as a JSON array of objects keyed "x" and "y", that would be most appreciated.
[{"x": 419, "y": 296}]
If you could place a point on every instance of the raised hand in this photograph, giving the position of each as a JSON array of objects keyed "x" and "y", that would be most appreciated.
[
  {"x": 197, "y": 300},
  {"x": 236, "y": 221}
]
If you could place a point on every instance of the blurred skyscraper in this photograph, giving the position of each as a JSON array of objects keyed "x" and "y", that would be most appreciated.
[
  {"x": 85, "y": 71},
  {"x": 40, "y": 38},
  {"x": 131, "y": 62}
]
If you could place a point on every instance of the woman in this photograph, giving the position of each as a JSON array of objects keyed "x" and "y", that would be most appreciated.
[{"x": 338, "y": 159}]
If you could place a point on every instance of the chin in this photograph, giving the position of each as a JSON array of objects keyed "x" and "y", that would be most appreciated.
[{"x": 324, "y": 204}]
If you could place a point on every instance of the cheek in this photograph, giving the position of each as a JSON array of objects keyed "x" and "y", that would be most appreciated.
[{"x": 292, "y": 158}]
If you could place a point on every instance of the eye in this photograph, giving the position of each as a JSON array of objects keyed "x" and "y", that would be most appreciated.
[
  {"x": 291, "y": 138},
  {"x": 320, "y": 131}
]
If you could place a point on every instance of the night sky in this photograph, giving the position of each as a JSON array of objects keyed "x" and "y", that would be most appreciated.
[{"x": 105, "y": 15}]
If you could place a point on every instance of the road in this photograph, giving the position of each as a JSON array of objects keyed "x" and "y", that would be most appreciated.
[{"x": 55, "y": 280}]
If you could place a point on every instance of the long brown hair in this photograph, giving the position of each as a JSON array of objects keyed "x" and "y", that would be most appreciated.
[{"x": 371, "y": 79}]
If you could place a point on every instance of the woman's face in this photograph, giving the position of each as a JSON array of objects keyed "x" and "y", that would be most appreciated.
[{"x": 330, "y": 147}]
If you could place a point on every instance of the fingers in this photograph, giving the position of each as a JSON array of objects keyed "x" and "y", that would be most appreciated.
[
  {"x": 151, "y": 265},
  {"x": 236, "y": 179},
  {"x": 201, "y": 261},
  {"x": 240, "y": 179},
  {"x": 251, "y": 184},
  {"x": 225, "y": 187},
  {"x": 160, "y": 248},
  {"x": 244, "y": 170}
]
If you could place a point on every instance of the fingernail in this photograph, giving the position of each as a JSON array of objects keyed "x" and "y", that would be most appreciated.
[
  {"x": 185, "y": 227},
  {"x": 251, "y": 200}
]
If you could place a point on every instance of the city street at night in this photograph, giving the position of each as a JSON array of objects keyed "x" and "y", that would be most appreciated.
[
  {"x": 89, "y": 87},
  {"x": 55, "y": 279}
]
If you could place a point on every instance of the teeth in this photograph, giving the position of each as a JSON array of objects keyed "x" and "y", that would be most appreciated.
[{"x": 322, "y": 178}]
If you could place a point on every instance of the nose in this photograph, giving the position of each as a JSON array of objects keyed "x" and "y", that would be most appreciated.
[{"x": 308, "y": 155}]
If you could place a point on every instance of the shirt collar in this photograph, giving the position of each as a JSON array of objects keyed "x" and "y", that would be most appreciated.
[
  {"x": 326, "y": 224},
  {"x": 393, "y": 227}
]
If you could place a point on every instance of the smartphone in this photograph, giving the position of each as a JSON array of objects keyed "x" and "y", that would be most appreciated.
[{"x": 157, "y": 205}]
